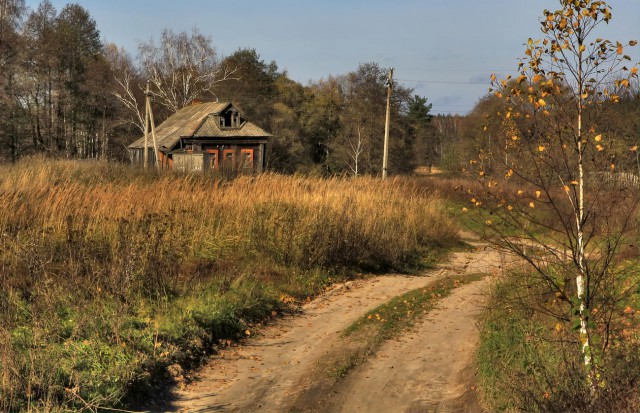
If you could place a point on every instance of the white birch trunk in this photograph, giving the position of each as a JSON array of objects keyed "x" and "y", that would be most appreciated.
[{"x": 581, "y": 277}]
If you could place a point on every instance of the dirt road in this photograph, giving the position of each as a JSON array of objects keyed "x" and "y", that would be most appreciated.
[{"x": 427, "y": 369}]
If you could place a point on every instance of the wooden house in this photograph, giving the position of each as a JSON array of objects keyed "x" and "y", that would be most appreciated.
[{"x": 209, "y": 136}]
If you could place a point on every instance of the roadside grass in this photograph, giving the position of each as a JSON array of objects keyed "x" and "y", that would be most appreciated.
[
  {"x": 112, "y": 276},
  {"x": 529, "y": 360},
  {"x": 390, "y": 320}
]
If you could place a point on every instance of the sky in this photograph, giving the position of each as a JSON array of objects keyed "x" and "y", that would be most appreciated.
[{"x": 445, "y": 50}]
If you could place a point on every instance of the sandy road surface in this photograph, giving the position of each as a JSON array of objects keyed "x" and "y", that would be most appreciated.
[
  {"x": 427, "y": 370},
  {"x": 423, "y": 370}
]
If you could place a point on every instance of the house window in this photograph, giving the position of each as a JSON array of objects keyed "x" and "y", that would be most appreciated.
[
  {"x": 230, "y": 119},
  {"x": 213, "y": 158},
  {"x": 247, "y": 158},
  {"x": 229, "y": 157}
]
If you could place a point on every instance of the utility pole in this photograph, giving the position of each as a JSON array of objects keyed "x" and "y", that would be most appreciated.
[
  {"x": 145, "y": 155},
  {"x": 385, "y": 157},
  {"x": 148, "y": 118}
]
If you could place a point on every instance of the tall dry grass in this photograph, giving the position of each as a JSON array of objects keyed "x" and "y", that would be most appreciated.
[{"x": 108, "y": 275}]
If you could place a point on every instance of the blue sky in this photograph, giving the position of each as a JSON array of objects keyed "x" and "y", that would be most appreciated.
[{"x": 445, "y": 49}]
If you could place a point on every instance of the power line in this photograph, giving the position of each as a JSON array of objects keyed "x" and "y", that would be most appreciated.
[
  {"x": 445, "y": 82},
  {"x": 461, "y": 70}
]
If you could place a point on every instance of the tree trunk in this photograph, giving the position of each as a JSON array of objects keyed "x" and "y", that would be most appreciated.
[{"x": 581, "y": 278}]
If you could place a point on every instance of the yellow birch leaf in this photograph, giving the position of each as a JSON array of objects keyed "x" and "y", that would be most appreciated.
[
  {"x": 538, "y": 194},
  {"x": 574, "y": 182},
  {"x": 634, "y": 70},
  {"x": 532, "y": 205},
  {"x": 514, "y": 138},
  {"x": 541, "y": 148},
  {"x": 541, "y": 102},
  {"x": 493, "y": 77},
  {"x": 509, "y": 207},
  {"x": 633, "y": 148},
  {"x": 600, "y": 148},
  {"x": 566, "y": 188},
  {"x": 582, "y": 48},
  {"x": 613, "y": 166},
  {"x": 464, "y": 210},
  {"x": 520, "y": 192},
  {"x": 598, "y": 138},
  {"x": 488, "y": 222}
]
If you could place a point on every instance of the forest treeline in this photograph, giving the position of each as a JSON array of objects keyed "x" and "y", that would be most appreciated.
[{"x": 66, "y": 94}]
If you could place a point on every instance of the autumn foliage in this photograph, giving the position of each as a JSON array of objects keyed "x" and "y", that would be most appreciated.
[{"x": 558, "y": 190}]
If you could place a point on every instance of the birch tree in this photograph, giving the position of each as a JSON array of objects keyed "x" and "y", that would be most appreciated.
[
  {"x": 129, "y": 89},
  {"x": 357, "y": 147},
  {"x": 181, "y": 68},
  {"x": 552, "y": 189}
]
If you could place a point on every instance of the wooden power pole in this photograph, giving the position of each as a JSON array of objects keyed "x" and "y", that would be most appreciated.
[
  {"x": 145, "y": 154},
  {"x": 148, "y": 118},
  {"x": 385, "y": 157}
]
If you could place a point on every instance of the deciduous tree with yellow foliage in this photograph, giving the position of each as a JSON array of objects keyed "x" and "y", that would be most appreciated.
[{"x": 551, "y": 182}]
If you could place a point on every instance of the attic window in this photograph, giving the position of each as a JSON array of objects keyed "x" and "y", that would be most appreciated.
[{"x": 230, "y": 119}]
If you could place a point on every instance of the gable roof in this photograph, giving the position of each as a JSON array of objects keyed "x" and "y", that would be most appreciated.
[{"x": 199, "y": 120}]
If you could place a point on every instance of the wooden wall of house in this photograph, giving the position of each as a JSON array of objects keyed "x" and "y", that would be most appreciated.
[
  {"x": 188, "y": 162},
  {"x": 240, "y": 158},
  {"x": 225, "y": 158},
  {"x": 137, "y": 157}
]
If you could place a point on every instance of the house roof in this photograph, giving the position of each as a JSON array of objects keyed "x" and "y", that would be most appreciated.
[{"x": 199, "y": 120}]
